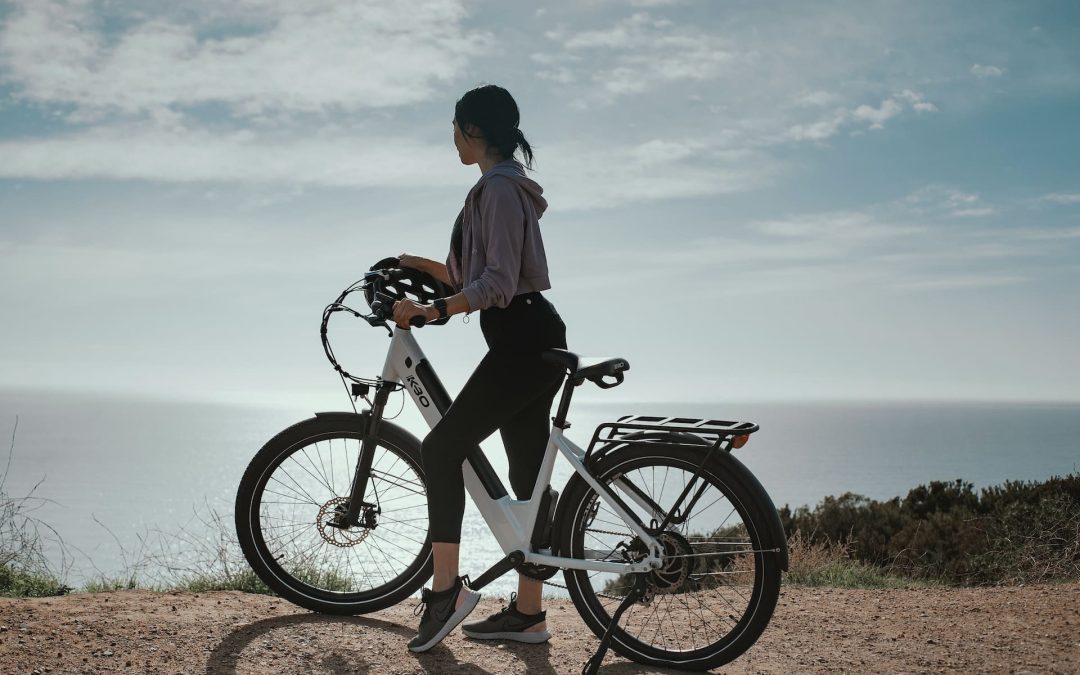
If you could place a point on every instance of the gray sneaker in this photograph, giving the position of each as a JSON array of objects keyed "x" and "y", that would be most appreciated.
[
  {"x": 508, "y": 624},
  {"x": 440, "y": 617}
]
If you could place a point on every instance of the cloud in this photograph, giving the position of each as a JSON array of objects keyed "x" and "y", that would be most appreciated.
[
  {"x": 642, "y": 172},
  {"x": 909, "y": 244},
  {"x": 867, "y": 115},
  {"x": 1051, "y": 234},
  {"x": 184, "y": 155},
  {"x": 917, "y": 101},
  {"x": 942, "y": 200},
  {"x": 877, "y": 116},
  {"x": 650, "y": 171},
  {"x": 307, "y": 57},
  {"x": 817, "y": 98},
  {"x": 639, "y": 52},
  {"x": 984, "y": 72},
  {"x": 842, "y": 229},
  {"x": 1062, "y": 198},
  {"x": 963, "y": 282},
  {"x": 975, "y": 213}
]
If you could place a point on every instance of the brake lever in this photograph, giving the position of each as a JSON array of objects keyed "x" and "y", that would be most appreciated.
[{"x": 376, "y": 320}]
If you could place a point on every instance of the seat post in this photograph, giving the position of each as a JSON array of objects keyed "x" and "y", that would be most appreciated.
[{"x": 564, "y": 404}]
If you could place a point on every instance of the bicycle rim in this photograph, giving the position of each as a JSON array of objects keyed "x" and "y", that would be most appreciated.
[
  {"x": 298, "y": 493},
  {"x": 717, "y": 588}
]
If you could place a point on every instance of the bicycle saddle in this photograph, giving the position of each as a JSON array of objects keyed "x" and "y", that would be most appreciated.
[{"x": 592, "y": 369}]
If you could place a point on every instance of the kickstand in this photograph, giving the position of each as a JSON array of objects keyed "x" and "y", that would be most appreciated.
[{"x": 592, "y": 666}]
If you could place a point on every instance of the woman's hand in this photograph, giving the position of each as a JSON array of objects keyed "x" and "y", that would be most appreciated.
[
  {"x": 413, "y": 261},
  {"x": 407, "y": 309},
  {"x": 432, "y": 267}
]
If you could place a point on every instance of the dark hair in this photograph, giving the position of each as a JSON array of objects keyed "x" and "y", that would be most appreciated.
[{"x": 492, "y": 110}]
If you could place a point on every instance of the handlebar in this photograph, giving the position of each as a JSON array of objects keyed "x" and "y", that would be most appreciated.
[
  {"x": 381, "y": 286},
  {"x": 383, "y": 308}
]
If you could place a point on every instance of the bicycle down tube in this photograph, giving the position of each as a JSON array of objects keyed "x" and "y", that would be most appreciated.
[{"x": 511, "y": 521}]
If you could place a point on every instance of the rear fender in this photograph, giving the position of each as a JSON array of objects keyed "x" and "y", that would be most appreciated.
[{"x": 774, "y": 535}]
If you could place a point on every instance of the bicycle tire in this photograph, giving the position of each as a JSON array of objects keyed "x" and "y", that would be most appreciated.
[
  {"x": 581, "y": 512},
  {"x": 326, "y": 580}
]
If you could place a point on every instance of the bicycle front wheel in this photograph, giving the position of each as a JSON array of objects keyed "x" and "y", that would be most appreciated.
[
  {"x": 720, "y": 578},
  {"x": 293, "y": 489}
]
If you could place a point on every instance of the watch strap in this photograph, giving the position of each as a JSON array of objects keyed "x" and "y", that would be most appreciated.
[{"x": 440, "y": 304}]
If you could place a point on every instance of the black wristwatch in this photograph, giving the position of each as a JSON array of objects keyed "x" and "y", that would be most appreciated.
[{"x": 440, "y": 305}]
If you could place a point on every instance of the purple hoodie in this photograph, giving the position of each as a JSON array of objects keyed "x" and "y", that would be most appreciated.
[{"x": 502, "y": 252}]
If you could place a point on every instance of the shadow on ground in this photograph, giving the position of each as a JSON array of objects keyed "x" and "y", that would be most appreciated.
[{"x": 536, "y": 659}]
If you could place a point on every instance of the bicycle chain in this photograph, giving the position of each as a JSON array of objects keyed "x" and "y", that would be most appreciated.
[
  {"x": 617, "y": 534},
  {"x": 599, "y": 595}
]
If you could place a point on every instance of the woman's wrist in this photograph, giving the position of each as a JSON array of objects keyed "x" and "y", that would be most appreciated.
[{"x": 415, "y": 262}]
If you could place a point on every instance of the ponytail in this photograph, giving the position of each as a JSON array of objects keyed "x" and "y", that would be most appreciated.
[{"x": 526, "y": 149}]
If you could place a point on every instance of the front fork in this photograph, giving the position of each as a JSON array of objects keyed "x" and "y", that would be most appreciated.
[{"x": 351, "y": 518}]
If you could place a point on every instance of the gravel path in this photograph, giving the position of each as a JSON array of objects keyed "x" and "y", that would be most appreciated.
[{"x": 1034, "y": 629}]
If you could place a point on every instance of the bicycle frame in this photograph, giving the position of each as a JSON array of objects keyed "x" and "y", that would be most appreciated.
[{"x": 511, "y": 521}]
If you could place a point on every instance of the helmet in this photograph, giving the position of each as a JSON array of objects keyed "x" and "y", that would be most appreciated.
[{"x": 405, "y": 282}]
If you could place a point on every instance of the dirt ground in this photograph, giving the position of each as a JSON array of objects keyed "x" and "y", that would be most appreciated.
[{"x": 1034, "y": 629}]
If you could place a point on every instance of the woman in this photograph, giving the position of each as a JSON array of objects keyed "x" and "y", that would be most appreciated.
[{"x": 498, "y": 264}]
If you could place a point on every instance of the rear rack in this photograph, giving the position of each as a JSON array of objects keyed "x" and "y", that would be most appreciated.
[{"x": 682, "y": 431}]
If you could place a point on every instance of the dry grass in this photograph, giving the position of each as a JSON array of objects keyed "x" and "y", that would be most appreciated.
[
  {"x": 826, "y": 563},
  {"x": 24, "y": 567}
]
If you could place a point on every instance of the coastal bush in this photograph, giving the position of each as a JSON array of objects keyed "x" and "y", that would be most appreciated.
[{"x": 1017, "y": 532}]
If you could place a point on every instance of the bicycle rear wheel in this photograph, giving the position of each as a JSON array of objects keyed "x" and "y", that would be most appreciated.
[
  {"x": 720, "y": 580},
  {"x": 296, "y": 484}
]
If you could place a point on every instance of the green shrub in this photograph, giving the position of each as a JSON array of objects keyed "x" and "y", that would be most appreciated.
[
  {"x": 1013, "y": 533},
  {"x": 16, "y": 583}
]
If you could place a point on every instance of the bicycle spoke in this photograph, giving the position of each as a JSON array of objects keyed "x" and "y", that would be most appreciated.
[
  {"x": 701, "y": 601},
  {"x": 387, "y": 541},
  {"x": 320, "y": 469},
  {"x": 289, "y": 487},
  {"x": 320, "y": 480},
  {"x": 405, "y": 523},
  {"x": 355, "y": 559},
  {"x": 300, "y": 488}
]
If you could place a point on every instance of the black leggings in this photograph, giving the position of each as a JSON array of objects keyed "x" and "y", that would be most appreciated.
[{"x": 511, "y": 390}]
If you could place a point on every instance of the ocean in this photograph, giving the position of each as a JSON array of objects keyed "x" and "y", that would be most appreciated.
[{"x": 128, "y": 483}]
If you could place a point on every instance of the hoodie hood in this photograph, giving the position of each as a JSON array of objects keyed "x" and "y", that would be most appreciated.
[
  {"x": 501, "y": 254},
  {"x": 515, "y": 171}
]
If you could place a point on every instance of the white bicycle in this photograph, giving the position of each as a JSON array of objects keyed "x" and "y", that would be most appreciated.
[{"x": 670, "y": 548}]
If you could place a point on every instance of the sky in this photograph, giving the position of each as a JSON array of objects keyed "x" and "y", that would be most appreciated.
[{"x": 748, "y": 201}]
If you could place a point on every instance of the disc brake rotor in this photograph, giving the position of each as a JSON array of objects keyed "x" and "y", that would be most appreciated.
[
  {"x": 336, "y": 536},
  {"x": 678, "y": 561}
]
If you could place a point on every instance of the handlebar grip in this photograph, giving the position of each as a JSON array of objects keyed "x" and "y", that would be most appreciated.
[{"x": 418, "y": 321}]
